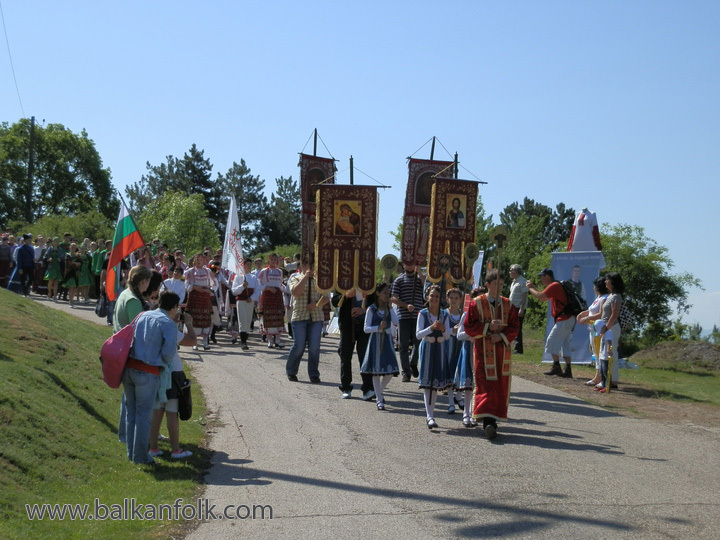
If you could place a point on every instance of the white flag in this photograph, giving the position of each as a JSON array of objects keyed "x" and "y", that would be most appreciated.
[{"x": 232, "y": 257}]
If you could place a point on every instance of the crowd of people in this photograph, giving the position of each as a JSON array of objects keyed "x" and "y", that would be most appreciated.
[{"x": 453, "y": 344}]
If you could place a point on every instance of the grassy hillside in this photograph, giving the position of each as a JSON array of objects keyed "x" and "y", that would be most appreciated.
[{"x": 58, "y": 431}]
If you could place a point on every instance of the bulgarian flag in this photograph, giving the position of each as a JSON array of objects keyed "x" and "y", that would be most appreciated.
[{"x": 127, "y": 239}]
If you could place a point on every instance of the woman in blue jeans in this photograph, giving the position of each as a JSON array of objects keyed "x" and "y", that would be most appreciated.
[{"x": 147, "y": 372}]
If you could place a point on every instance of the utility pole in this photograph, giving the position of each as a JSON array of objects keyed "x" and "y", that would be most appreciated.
[{"x": 31, "y": 170}]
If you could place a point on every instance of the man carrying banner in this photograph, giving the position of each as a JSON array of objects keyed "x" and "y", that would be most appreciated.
[{"x": 492, "y": 322}]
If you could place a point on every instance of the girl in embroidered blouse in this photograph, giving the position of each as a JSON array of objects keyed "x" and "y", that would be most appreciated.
[{"x": 433, "y": 328}]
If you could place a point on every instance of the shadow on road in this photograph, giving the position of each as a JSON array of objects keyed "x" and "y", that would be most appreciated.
[{"x": 237, "y": 472}]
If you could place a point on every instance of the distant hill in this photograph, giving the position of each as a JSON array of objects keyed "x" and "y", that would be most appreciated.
[{"x": 685, "y": 356}]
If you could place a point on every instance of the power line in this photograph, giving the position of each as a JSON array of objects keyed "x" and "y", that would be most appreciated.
[{"x": 12, "y": 67}]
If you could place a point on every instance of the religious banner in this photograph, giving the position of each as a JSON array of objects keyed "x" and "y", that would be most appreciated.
[
  {"x": 452, "y": 227},
  {"x": 416, "y": 220},
  {"x": 313, "y": 171},
  {"x": 232, "y": 254},
  {"x": 346, "y": 243}
]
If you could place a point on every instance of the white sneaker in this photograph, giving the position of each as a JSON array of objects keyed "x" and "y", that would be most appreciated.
[
  {"x": 155, "y": 453},
  {"x": 367, "y": 396},
  {"x": 181, "y": 454},
  {"x": 347, "y": 394}
]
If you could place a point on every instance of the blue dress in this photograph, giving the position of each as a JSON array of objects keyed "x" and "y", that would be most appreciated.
[
  {"x": 452, "y": 344},
  {"x": 380, "y": 354},
  {"x": 433, "y": 363},
  {"x": 464, "y": 379}
]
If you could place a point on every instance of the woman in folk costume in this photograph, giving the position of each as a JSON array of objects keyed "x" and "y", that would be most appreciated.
[
  {"x": 380, "y": 360},
  {"x": 453, "y": 345},
  {"x": 272, "y": 307},
  {"x": 492, "y": 321},
  {"x": 72, "y": 273},
  {"x": 85, "y": 279},
  {"x": 54, "y": 257},
  {"x": 200, "y": 284},
  {"x": 433, "y": 328},
  {"x": 464, "y": 380},
  {"x": 218, "y": 300}
]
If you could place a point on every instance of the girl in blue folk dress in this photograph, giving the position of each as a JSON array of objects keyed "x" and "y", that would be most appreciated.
[
  {"x": 433, "y": 328},
  {"x": 380, "y": 360},
  {"x": 464, "y": 380},
  {"x": 454, "y": 298}
]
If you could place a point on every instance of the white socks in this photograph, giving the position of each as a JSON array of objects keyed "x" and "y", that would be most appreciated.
[
  {"x": 429, "y": 402},
  {"x": 467, "y": 413},
  {"x": 379, "y": 384},
  {"x": 451, "y": 395}
]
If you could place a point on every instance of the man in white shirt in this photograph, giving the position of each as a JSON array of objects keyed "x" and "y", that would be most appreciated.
[
  {"x": 519, "y": 298},
  {"x": 246, "y": 289}
]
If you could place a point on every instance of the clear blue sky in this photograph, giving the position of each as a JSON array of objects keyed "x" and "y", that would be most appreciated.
[{"x": 613, "y": 105}]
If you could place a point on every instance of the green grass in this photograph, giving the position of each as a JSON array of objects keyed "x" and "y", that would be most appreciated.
[
  {"x": 696, "y": 386},
  {"x": 58, "y": 431}
]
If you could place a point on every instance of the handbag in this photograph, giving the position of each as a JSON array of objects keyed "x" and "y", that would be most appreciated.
[
  {"x": 184, "y": 398},
  {"x": 101, "y": 305},
  {"x": 114, "y": 354}
]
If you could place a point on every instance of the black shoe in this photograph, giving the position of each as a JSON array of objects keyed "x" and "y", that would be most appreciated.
[
  {"x": 432, "y": 423},
  {"x": 292, "y": 378},
  {"x": 234, "y": 341},
  {"x": 415, "y": 372},
  {"x": 406, "y": 378},
  {"x": 555, "y": 370},
  {"x": 567, "y": 374},
  {"x": 491, "y": 431},
  {"x": 518, "y": 351},
  {"x": 315, "y": 380},
  {"x": 245, "y": 347},
  {"x": 264, "y": 339}
]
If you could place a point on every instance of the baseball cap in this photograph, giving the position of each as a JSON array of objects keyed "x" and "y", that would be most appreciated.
[{"x": 546, "y": 272}]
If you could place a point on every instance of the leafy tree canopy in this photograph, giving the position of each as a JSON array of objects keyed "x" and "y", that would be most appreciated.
[
  {"x": 92, "y": 225},
  {"x": 181, "y": 221},
  {"x": 68, "y": 176}
]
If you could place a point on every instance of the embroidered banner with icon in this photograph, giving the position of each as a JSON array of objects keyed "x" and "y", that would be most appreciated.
[
  {"x": 346, "y": 243},
  {"x": 452, "y": 227},
  {"x": 416, "y": 219},
  {"x": 313, "y": 172}
]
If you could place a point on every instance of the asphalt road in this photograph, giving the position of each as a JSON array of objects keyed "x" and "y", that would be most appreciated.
[{"x": 332, "y": 468}]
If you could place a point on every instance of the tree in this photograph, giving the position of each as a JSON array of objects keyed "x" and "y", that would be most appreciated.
[
  {"x": 282, "y": 222},
  {"x": 181, "y": 221},
  {"x": 483, "y": 226},
  {"x": 251, "y": 204},
  {"x": 90, "y": 224},
  {"x": 557, "y": 223},
  {"x": 190, "y": 175},
  {"x": 650, "y": 289},
  {"x": 68, "y": 176}
]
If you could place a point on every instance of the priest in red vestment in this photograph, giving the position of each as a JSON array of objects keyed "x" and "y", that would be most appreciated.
[{"x": 492, "y": 321}]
